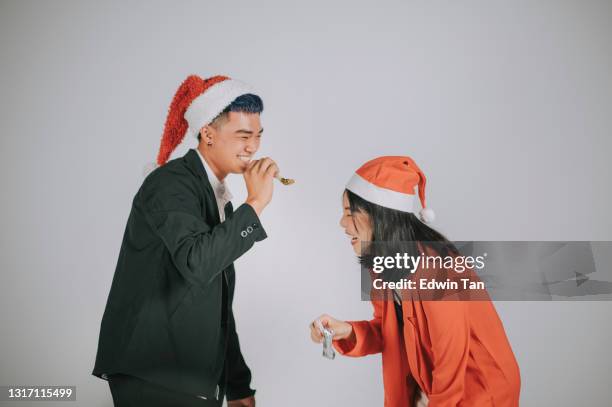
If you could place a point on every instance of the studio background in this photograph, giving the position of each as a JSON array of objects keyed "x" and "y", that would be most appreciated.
[{"x": 506, "y": 106}]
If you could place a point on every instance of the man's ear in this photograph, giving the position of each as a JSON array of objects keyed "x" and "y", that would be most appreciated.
[{"x": 207, "y": 134}]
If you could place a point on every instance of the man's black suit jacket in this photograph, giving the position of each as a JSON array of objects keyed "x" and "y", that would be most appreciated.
[{"x": 162, "y": 320}]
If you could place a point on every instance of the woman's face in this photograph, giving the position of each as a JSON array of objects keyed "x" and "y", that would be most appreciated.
[{"x": 356, "y": 225}]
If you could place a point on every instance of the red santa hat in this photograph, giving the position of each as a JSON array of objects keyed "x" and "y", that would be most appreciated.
[
  {"x": 195, "y": 104},
  {"x": 390, "y": 182}
]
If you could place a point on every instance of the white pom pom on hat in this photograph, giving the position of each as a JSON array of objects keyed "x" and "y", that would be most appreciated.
[
  {"x": 390, "y": 181},
  {"x": 427, "y": 215}
]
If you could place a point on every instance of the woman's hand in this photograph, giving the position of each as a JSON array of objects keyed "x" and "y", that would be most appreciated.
[{"x": 341, "y": 329}]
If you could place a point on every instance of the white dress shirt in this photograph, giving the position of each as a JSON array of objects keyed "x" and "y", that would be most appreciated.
[{"x": 222, "y": 193}]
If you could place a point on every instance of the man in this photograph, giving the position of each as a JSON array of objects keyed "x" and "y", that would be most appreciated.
[{"x": 168, "y": 336}]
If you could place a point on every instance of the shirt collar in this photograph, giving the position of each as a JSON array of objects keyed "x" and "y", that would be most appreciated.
[{"x": 220, "y": 189}]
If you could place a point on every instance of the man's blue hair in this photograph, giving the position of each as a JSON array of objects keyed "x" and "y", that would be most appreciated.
[{"x": 247, "y": 103}]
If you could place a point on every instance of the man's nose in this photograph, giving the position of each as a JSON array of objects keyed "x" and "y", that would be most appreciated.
[
  {"x": 342, "y": 223},
  {"x": 252, "y": 146}
]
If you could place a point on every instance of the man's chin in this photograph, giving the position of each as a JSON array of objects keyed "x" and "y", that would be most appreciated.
[
  {"x": 244, "y": 166},
  {"x": 240, "y": 168}
]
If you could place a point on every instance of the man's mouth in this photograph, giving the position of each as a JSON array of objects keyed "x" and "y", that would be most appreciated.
[
  {"x": 354, "y": 239},
  {"x": 245, "y": 158}
]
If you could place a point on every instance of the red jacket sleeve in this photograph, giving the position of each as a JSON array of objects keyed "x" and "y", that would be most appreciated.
[{"x": 366, "y": 338}]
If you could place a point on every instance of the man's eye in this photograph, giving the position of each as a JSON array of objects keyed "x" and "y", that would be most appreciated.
[{"x": 245, "y": 137}]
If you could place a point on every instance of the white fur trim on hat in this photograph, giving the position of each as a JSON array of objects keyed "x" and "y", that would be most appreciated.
[
  {"x": 209, "y": 104},
  {"x": 380, "y": 196}
]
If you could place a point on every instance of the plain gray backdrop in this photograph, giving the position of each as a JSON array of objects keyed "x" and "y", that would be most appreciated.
[{"x": 506, "y": 106}]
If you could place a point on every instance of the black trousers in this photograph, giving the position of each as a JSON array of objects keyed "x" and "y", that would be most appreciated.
[{"x": 131, "y": 391}]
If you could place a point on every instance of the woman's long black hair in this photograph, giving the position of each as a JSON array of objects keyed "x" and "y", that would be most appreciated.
[{"x": 395, "y": 231}]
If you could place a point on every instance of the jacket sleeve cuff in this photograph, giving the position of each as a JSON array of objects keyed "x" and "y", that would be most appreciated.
[
  {"x": 345, "y": 346},
  {"x": 252, "y": 228}
]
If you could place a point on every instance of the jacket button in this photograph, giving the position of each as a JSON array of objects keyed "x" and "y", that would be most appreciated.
[
  {"x": 249, "y": 229},
  {"x": 243, "y": 233}
]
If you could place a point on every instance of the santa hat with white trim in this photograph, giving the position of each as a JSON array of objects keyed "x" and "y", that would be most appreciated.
[
  {"x": 390, "y": 182},
  {"x": 196, "y": 103}
]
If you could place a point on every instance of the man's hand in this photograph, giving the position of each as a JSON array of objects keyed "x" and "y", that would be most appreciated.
[
  {"x": 259, "y": 177},
  {"x": 247, "y": 402}
]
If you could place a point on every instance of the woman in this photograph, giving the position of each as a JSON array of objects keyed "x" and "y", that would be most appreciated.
[{"x": 435, "y": 353}]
